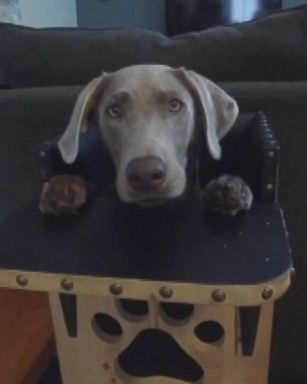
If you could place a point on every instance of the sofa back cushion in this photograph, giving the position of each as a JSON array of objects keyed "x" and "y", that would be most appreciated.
[{"x": 272, "y": 48}]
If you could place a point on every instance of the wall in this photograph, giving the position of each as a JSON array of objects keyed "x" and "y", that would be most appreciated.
[
  {"x": 293, "y": 3},
  {"x": 147, "y": 14},
  {"x": 48, "y": 13},
  {"x": 9, "y": 11}
]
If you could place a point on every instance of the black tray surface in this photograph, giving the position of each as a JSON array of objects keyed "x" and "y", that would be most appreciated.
[{"x": 175, "y": 242}]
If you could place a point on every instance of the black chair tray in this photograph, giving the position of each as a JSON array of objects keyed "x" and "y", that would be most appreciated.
[{"x": 175, "y": 242}]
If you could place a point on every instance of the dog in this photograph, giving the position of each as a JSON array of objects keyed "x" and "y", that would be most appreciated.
[{"x": 148, "y": 117}]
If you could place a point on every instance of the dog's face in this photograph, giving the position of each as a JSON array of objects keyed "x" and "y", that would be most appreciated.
[{"x": 147, "y": 116}]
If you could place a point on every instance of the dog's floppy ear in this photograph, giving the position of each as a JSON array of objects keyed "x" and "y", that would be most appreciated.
[
  {"x": 86, "y": 102},
  {"x": 218, "y": 111}
]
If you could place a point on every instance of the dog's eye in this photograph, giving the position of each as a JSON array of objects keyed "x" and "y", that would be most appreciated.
[
  {"x": 174, "y": 105},
  {"x": 114, "y": 110}
]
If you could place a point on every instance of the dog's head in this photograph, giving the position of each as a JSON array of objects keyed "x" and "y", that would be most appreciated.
[{"x": 148, "y": 116}]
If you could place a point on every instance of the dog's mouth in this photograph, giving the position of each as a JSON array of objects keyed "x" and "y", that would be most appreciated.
[{"x": 154, "y": 198}]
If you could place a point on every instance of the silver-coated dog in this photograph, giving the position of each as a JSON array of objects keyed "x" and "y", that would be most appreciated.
[{"x": 148, "y": 116}]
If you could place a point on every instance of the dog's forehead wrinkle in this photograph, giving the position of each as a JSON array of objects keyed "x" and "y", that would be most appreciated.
[
  {"x": 121, "y": 95},
  {"x": 144, "y": 81}
]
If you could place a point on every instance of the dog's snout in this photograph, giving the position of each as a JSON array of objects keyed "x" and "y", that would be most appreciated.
[{"x": 146, "y": 174}]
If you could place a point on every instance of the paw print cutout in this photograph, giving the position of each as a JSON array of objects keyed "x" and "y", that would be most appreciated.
[
  {"x": 148, "y": 341},
  {"x": 151, "y": 341}
]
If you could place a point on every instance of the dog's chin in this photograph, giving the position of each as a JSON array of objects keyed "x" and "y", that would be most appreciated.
[
  {"x": 150, "y": 199},
  {"x": 152, "y": 202}
]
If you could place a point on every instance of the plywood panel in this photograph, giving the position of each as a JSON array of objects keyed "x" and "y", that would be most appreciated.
[{"x": 26, "y": 336}]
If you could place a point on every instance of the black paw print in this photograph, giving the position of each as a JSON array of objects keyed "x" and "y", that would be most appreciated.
[{"x": 151, "y": 338}]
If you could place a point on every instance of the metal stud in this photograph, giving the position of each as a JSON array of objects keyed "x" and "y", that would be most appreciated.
[
  {"x": 267, "y": 293},
  {"x": 166, "y": 292},
  {"x": 67, "y": 284},
  {"x": 42, "y": 153},
  {"x": 22, "y": 280},
  {"x": 116, "y": 289},
  {"x": 218, "y": 295}
]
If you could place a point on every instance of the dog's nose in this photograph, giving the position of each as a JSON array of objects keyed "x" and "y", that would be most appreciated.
[{"x": 146, "y": 174}]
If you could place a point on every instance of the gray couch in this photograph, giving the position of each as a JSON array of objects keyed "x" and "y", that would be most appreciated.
[{"x": 263, "y": 64}]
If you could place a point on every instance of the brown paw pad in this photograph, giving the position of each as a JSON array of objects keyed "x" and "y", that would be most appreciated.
[
  {"x": 63, "y": 194},
  {"x": 227, "y": 194}
]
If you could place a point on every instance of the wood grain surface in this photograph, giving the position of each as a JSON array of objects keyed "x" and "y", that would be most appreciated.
[{"x": 26, "y": 336}]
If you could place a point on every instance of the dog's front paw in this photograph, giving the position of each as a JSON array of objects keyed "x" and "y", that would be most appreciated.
[
  {"x": 63, "y": 194},
  {"x": 227, "y": 194}
]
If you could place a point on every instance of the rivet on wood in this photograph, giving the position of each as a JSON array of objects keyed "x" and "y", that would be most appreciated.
[
  {"x": 22, "y": 280},
  {"x": 267, "y": 293},
  {"x": 67, "y": 284},
  {"x": 218, "y": 295},
  {"x": 116, "y": 289},
  {"x": 166, "y": 292}
]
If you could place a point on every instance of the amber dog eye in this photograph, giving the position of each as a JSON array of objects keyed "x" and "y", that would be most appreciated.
[
  {"x": 174, "y": 105},
  {"x": 114, "y": 110}
]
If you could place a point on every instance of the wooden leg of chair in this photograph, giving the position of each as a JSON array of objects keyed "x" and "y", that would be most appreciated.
[
  {"x": 66, "y": 346},
  {"x": 254, "y": 369}
]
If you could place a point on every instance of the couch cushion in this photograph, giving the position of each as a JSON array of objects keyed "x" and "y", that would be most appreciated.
[{"x": 272, "y": 48}]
